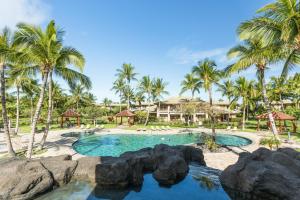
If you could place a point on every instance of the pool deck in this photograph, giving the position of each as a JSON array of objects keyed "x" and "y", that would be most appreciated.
[{"x": 57, "y": 144}]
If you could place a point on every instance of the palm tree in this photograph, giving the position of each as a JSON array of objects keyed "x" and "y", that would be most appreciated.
[
  {"x": 107, "y": 103},
  {"x": 119, "y": 86},
  {"x": 243, "y": 89},
  {"x": 128, "y": 94},
  {"x": 78, "y": 92},
  {"x": 227, "y": 89},
  {"x": 127, "y": 73},
  {"x": 139, "y": 98},
  {"x": 159, "y": 89},
  {"x": 254, "y": 52},
  {"x": 191, "y": 83},
  {"x": 48, "y": 56},
  {"x": 6, "y": 48},
  {"x": 146, "y": 86},
  {"x": 278, "y": 88},
  {"x": 21, "y": 82},
  {"x": 206, "y": 72},
  {"x": 30, "y": 90},
  {"x": 277, "y": 25}
]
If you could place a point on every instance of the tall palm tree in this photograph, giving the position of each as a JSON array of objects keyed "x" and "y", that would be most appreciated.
[
  {"x": 146, "y": 86},
  {"x": 159, "y": 90},
  {"x": 278, "y": 24},
  {"x": 227, "y": 89},
  {"x": 107, "y": 103},
  {"x": 139, "y": 97},
  {"x": 48, "y": 55},
  {"x": 190, "y": 83},
  {"x": 78, "y": 92},
  {"x": 119, "y": 86},
  {"x": 254, "y": 53},
  {"x": 127, "y": 73},
  {"x": 66, "y": 56},
  {"x": 278, "y": 88},
  {"x": 6, "y": 48},
  {"x": 243, "y": 89},
  {"x": 206, "y": 72},
  {"x": 31, "y": 90},
  {"x": 21, "y": 82},
  {"x": 128, "y": 94}
]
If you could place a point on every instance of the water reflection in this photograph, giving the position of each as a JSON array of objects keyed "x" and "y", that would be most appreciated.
[{"x": 201, "y": 183}]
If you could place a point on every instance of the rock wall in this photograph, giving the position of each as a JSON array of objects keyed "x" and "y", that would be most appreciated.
[
  {"x": 264, "y": 174},
  {"x": 26, "y": 179}
]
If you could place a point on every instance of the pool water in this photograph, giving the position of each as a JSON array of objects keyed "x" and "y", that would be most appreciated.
[
  {"x": 116, "y": 144},
  {"x": 200, "y": 183}
]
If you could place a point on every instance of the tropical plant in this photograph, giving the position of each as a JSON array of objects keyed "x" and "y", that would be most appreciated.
[
  {"x": 107, "y": 103},
  {"x": 20, "y": 82},
  {"x": 277, "y": 88},
  {"x": 254, "y": 52},
  {"x": 277, "y": 26},
  {"x": 227, "y": 89},
  {"x": 190, "y": 83},
  {"x": 119, "y": 86},
  {"x": 127, "y": 73},
  {"x": 139, "y": 98},
  {"x": 79, "y": 96},
  {"x": 244, "y": 89},
  {"x": 7, "y": 49},
  {"x": 206, "y": 72},
  {"x": 158, "y": 90},
  {"x": 146, "y": 86},
  {"x": 270, "y": 142}
]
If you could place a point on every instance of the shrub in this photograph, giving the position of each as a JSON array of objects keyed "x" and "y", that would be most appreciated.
[
  {"x": 140, "y": 116},
  {"x": 270, "y": 142},
  {"x": 208, "y": 141}
]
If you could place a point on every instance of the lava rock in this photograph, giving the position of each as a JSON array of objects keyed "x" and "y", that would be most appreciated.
[
  {"x": 62, "y": 168},
  {"x": 22, "y": 179},
  {"x": 264, "y": 174}
]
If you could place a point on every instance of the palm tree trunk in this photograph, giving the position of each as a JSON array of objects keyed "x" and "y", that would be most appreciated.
[
  {"x": 267, "y": 104},
  {"x": 148, "y": 112},
  {"x": 229, "y": 112},
  {"x": 120, "y": 102},
  {"x": 128, "y": 103},
  {"x": 37, "y": 114},
  {"x": 281, "y": 102},
  {"x": 244, "y": 116},
  {"x": 18, "y": 111},
  {"x": 50, "y": 102},
  {"x": 31, "y": 109},
  {"x": 10, "y": 149},
  {"x": 212, "y": 115}
]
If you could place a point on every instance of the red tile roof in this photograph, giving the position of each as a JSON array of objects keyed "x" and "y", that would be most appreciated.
[
  {"x": 70, "y": 113},
  {"x": 125, "y": 113},
  {"x": 276, "y": 115}
]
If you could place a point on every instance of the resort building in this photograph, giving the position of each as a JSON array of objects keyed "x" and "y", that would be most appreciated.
[{"x": 178, "y": 108}]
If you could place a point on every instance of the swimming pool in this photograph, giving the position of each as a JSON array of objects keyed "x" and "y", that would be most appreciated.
[{"x": 116, "y": 144}]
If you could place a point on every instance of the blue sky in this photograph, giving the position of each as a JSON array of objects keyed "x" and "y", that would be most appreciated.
[{"x": 160, "y": 38}]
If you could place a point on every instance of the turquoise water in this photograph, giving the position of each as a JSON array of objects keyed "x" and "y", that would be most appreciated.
[
  {"x": 200, "y": 183},
  {"x": 116, "y": 144}
]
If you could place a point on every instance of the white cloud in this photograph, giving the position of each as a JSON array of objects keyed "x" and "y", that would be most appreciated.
[
  {"x": 30, "y": 11},
  {"x": 188, "y": 56}
]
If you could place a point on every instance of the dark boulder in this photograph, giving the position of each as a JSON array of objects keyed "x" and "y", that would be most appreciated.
[
  {"x": 22, "y": 179},
  {"x": 264, "y": 174},
  {"x": 171, "y": 170},
  {"x": 62, "y": 168},
  {"x": 26, "y": 179}
]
